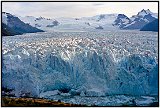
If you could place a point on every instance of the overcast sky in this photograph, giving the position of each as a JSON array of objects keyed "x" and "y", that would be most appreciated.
[{"x": 76, "y": 9}]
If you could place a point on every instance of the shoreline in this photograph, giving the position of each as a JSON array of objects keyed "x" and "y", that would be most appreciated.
[
  {"x": 34, "y": 102},
  {"x": 40, "y": 102}
]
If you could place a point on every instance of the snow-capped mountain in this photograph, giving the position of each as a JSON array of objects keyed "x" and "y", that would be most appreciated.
[
  {"x": 105, "y": 22},
  {"x": 121, "y": 21},
  {"x": 138, "y": 21},
  {"x": 146, "y": 12},
  {"x": 12, "y": 25},
  {"x": 98, "y": 22},
  {"x": 40, "y": 22},
  {"x": 102, "y": 21}
]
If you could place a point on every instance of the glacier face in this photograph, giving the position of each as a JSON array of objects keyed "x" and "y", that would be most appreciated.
[{"x": 85, "y": 64}]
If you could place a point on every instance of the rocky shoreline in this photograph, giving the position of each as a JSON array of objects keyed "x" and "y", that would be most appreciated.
[{"x": 32, "y": 102}]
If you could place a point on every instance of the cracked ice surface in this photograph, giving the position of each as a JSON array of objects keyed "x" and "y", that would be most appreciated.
[
  {"x": 84, "y": 63},
  {"x": 112, "y": 100}
]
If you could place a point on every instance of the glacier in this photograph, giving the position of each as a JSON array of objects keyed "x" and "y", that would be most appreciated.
[{"x": 94, "y": 64}]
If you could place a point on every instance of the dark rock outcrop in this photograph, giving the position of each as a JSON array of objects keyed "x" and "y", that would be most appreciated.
[{"x": 15, "y": 26}]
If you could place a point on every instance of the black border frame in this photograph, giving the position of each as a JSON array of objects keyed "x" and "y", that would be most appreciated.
[{"x": 85, "y": 1}]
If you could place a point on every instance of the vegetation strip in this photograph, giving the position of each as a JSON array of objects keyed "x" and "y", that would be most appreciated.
[{"x": 25, "y": 102}]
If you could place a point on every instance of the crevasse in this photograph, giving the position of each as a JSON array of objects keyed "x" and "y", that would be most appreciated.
[
  {"x": 86, "y": 72},
  {"x": 85, "y": 64}
]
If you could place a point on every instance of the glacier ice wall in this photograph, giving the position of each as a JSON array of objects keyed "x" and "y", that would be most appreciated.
[{"x": 80, "y": 65}]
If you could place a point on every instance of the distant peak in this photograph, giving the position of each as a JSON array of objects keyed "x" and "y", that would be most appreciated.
[
  {"x": 122, "y": 15},
  {"x": 5, "y": 13},
  {"x": 39, "y": 18},
  {"x": 144, "y": 12},
  {"x": 8, "y": 14},
  {"x": 148, "y": 11}
]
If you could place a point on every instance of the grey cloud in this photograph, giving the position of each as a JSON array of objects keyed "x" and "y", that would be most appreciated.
[{"x": 98, "y": 4}]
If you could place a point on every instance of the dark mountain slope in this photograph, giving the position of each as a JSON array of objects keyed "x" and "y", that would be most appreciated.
[
  {"x": 152, "y": 26},
  {"x": 15, "y": 26}
]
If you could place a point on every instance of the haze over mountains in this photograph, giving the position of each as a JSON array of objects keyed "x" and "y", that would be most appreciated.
[{"x": 13, "y": 25}]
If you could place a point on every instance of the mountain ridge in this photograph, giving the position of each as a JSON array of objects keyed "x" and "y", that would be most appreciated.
[
  {"x": 105, "y": 22},
  {"x": 12, "y": 25},
  {"x": 138, "y": 21}
]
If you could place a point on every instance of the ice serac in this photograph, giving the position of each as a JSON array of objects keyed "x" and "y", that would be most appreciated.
[{"x": 78, "y": 66}]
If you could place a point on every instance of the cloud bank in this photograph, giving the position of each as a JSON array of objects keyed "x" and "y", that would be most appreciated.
[{"x": 75, "y": 9}]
